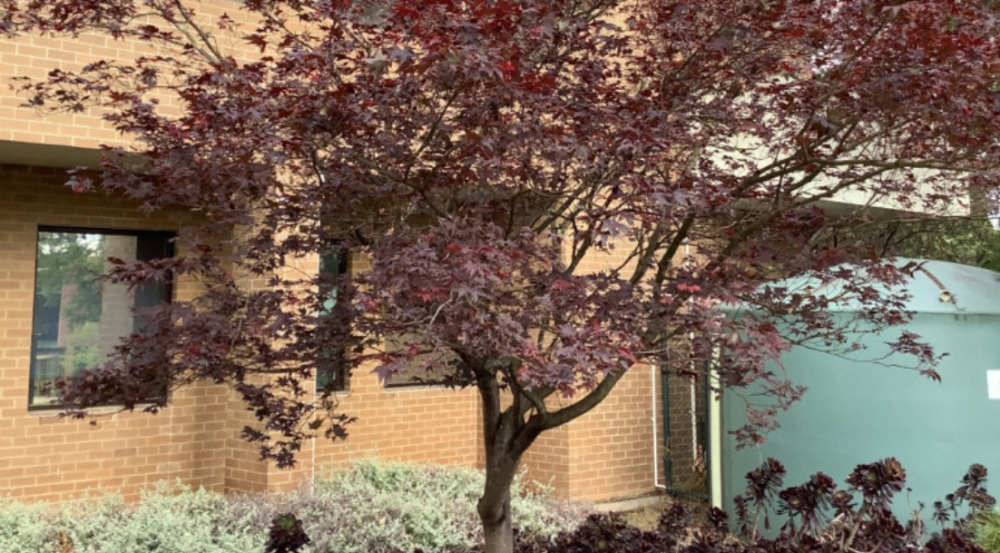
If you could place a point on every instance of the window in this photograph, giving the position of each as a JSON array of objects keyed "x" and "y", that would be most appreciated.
[
  {"x": 444, "y": 375},
  {"x": 416, "y": 377},
  {"x": 331, "y": 370},
  {"x": 78, "y": 319}
]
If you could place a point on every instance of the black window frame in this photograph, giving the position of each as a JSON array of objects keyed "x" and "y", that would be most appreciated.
[
  {"x": 333, "y": 367},
  {"x": 167, "y": 238}
]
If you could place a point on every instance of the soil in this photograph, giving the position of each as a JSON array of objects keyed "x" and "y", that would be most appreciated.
[{"x": 647, "y": 518}]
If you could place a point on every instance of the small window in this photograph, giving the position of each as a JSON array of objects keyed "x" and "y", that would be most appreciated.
[
  {"x": 415, "y": 376},
  {"x": 78, "y": 319},
  {"x": 331, "y": 370}
]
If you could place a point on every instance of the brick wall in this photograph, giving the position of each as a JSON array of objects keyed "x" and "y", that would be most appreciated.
[
  {"x": 603, "y": 455},
  {"x": 425, "y": 424},
  {"x": 611, "y": 447},
  {"x": 548, "y": 461},
  {"x": 196, "y": 439},
  {"x": 35, "y": 56},
  {"x": 43, "y": 456},
  {"x": 421, "y": 424},
  {"x": 608, "y": 453},
  {"x": 611, "y": 452}
]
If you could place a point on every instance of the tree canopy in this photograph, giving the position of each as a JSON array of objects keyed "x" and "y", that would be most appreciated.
[{"x": 544, "y": 194}]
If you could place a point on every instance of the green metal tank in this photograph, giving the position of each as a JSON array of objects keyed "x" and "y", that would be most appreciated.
[{"x": 859, "y": 412}]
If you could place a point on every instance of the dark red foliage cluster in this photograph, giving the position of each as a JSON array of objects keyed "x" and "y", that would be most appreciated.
[
  {"x": 545, "y": 193},
  {"x": 286, "y": 535},
  {"x": 483, "y": 154},
  {"x": 829, "y": 520}
]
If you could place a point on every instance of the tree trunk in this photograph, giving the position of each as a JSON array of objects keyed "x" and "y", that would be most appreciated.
[
  {"x": 507, "y": 434},
  {"x": 498, "y": 531},
  {"x": 502, "y": 459}
]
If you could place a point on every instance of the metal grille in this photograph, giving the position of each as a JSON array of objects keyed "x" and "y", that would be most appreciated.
[{"x": 685, "y": 434}]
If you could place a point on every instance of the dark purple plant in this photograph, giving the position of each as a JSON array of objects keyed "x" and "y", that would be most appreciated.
[
  {"x": 851, "y": 530},
  {"x": 972, "y": 492},
  {"x": 807, "y": 504},
  {"x": 763, "y": 483},
  {"x": 829, "y": 520},
  {"x": 286, "y": 535}
]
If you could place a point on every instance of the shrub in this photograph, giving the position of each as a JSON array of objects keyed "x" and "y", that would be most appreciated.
[
  {"x": 389, "y": 507},
  {"x": 167, "y": 519},
  {"x": 23, "y": 528},
  {"x": 370, "y": 507},
  {"x": 818, "y": 518},
  {"x": 985, "y": 530}
]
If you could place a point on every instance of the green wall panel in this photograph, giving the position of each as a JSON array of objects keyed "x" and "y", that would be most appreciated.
[{"x": 856, "y": 412}]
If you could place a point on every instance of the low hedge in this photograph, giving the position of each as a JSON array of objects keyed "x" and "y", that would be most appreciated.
[{"x": 373, "y": 506}]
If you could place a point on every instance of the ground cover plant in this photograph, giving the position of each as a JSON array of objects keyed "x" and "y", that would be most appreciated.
[
  {"x": 986, "y": 530},
  {"x": 372, "y": 507},
  {"x": 521, "y": 179}
]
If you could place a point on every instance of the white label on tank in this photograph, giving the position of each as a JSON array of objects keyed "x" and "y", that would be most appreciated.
[{"x": 993, "y": 384}]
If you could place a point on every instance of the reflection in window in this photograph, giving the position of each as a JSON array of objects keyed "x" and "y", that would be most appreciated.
[{"x": 78, "y": 319}]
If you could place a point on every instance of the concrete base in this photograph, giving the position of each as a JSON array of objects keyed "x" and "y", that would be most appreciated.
[{"x": 629, "y": 504}]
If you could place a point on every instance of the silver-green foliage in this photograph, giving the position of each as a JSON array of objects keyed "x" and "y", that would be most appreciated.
[
  {"x": 166, "y": 520},
  {"x": 372, "y": 507},
  {"x": 384, "y": 507},
  {"x": 24, "y": 528}
]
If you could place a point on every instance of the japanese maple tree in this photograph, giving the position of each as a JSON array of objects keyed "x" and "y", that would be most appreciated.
[{"x": 483, "y": 156}]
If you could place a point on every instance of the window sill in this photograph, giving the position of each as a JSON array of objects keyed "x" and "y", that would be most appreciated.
[
  {"x": 335, "y": 394},
  {"x": 55, "y": 412},
  {"x": 415, "y": 387}
]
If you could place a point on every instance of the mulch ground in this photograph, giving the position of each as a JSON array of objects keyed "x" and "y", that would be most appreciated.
[{"x": 647, "y": 518}]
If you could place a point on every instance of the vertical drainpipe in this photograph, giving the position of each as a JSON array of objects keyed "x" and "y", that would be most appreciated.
[
  {"x": 656, "y": 445},
  {"x": 714, "y": 440},
  {"x": 315, "y": 440},
  {"x": 693, "y": 415},
  {"x": 668, "y": 469}
]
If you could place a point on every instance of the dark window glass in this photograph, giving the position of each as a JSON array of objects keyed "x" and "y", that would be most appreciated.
[
  {"x": 331, "y": 371},
  {"x": 416, "y": 374},
  {"x": 78, "y": 319}
]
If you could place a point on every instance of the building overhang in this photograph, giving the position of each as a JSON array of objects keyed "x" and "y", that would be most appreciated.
[{"x": 48, "y": 155}]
